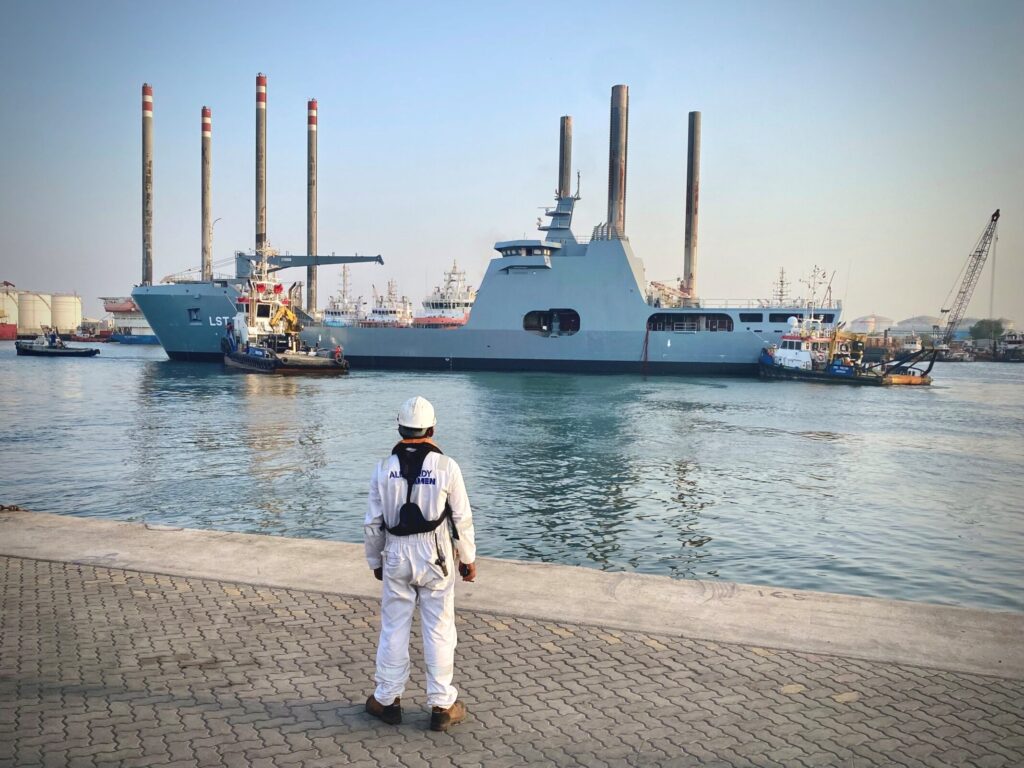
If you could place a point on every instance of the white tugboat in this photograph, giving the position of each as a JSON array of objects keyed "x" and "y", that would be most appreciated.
[{"x": 450, "y": 303}]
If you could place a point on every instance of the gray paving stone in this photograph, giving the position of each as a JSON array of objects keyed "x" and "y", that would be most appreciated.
[{"x": 104, "y": 666}]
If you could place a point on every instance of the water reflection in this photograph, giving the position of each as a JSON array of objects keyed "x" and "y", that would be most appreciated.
[
  {"x": 572, "y": 484},
  {"x": 236, "y": 449}
]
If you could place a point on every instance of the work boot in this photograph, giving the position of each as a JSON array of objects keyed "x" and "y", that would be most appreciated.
[
  {"x": 390, "y": 714},
  {"x": 442, "y": 719}
]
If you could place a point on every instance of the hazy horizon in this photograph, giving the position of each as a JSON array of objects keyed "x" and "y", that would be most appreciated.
[{"x": 873, "y": 140}]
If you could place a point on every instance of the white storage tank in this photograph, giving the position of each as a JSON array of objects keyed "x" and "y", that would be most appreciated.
[
  {"x": 65, "y": 312},
  {"x": 33, "y": 312},
  {"x": 9, "y": 306}
]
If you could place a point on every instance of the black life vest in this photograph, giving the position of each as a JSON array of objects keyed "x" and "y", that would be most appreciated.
[{"x": 410, "y": 517}]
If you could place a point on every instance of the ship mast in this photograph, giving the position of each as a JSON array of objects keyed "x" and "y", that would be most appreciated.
[{"x": 780, "y": 294}]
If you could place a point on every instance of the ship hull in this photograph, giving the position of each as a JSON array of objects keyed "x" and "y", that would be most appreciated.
[
  {"x": 551, "y": 366},
  {"x": 465, "y": 349},
  {"x": 131, "y": 338},
  {"x": 189, "y": 319},
  {"x": 190, "y": 322}
]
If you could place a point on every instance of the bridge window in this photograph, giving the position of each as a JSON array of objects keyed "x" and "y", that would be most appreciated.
[
  {"x": 552, "y": 322},
  {"x": 751, "y": 317}
]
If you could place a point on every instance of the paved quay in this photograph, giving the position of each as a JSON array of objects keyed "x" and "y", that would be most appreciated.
[{"x": 129, "y": 645}]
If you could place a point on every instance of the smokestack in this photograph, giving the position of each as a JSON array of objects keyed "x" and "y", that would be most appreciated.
[
  {"x": 147, "y": 184},
  {"x": 619, "y": 141},
  {"x": 207, "y": 131},
  {"x": 565, "y": 157},
  {"x": 311, "y": 205},
  {"x": 692, "y": 199},
  {"x": 261, "y": 162}
]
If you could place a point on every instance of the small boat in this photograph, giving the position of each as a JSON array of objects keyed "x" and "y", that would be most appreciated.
[
  {"x": 814, "y": 351},
  {"x": 42, "y": 346}
]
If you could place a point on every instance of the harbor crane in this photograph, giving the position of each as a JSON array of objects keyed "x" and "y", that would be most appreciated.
[{"x": 972, "y": 273}]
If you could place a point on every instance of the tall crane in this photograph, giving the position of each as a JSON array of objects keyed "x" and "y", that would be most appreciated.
[{"x": 972, "y": 272}]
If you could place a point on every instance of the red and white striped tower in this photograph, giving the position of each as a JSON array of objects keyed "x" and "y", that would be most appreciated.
[
  {"x": 261, "y": 162},
  {"x": 147, "y": 184},
  {"x": 207, "y": 132},
  {"x": 311, "y": 205}
]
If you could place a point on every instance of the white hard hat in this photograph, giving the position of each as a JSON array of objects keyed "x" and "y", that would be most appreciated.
[{"x": 416, "y": 413}]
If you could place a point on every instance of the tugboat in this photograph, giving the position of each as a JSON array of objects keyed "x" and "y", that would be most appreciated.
[
  {"x": 812, "y": 350},
  {"x": 52, "y": 346},
  {"x": 264, "y": 336}
]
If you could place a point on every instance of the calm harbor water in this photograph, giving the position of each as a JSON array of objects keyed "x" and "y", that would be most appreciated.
[{"x": 914, "y": 494}]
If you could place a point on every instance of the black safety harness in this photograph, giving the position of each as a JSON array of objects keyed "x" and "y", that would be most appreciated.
[{"x": 410, "y": 517}]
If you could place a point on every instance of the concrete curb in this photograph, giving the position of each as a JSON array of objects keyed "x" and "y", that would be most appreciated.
[{"x": 939, "y": 637}]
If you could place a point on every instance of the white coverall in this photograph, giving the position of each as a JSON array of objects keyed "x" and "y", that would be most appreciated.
[{"x": 410, "y": 573}]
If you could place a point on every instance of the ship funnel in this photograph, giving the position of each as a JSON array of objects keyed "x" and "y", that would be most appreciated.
[
  {"x": 207, "y": 158},
  {"x": 311, "y": 204},
  {"x": 147, "y": 184},
  {"x": 692, "y": 199},
  {"x": 565, "y": 157},
  {"x": 618, "y": 145},
  {"x": 261, "y": 163}
]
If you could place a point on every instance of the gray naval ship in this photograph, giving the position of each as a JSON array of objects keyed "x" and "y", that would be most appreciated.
[{"x": 555, "y": 303}]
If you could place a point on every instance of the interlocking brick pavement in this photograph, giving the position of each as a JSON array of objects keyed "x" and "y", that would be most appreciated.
[{"x": 107, "y": 667}]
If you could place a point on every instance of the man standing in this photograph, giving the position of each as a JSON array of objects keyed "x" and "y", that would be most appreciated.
[{"x": 418, "y": 504}]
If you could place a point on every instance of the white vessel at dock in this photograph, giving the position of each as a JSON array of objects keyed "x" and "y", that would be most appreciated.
[
  {"x": 342, "y": 309},
  {"x": 389, "y": 310},
  {"x": 129, "y": 322},
  {"x": 450, "y": 303}
]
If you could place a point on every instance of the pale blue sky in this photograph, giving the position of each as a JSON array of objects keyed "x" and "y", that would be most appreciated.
[{"x": 873, "y": 139}]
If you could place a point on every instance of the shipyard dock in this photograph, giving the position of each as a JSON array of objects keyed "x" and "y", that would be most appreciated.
[{"x": 132, "y": 645}]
